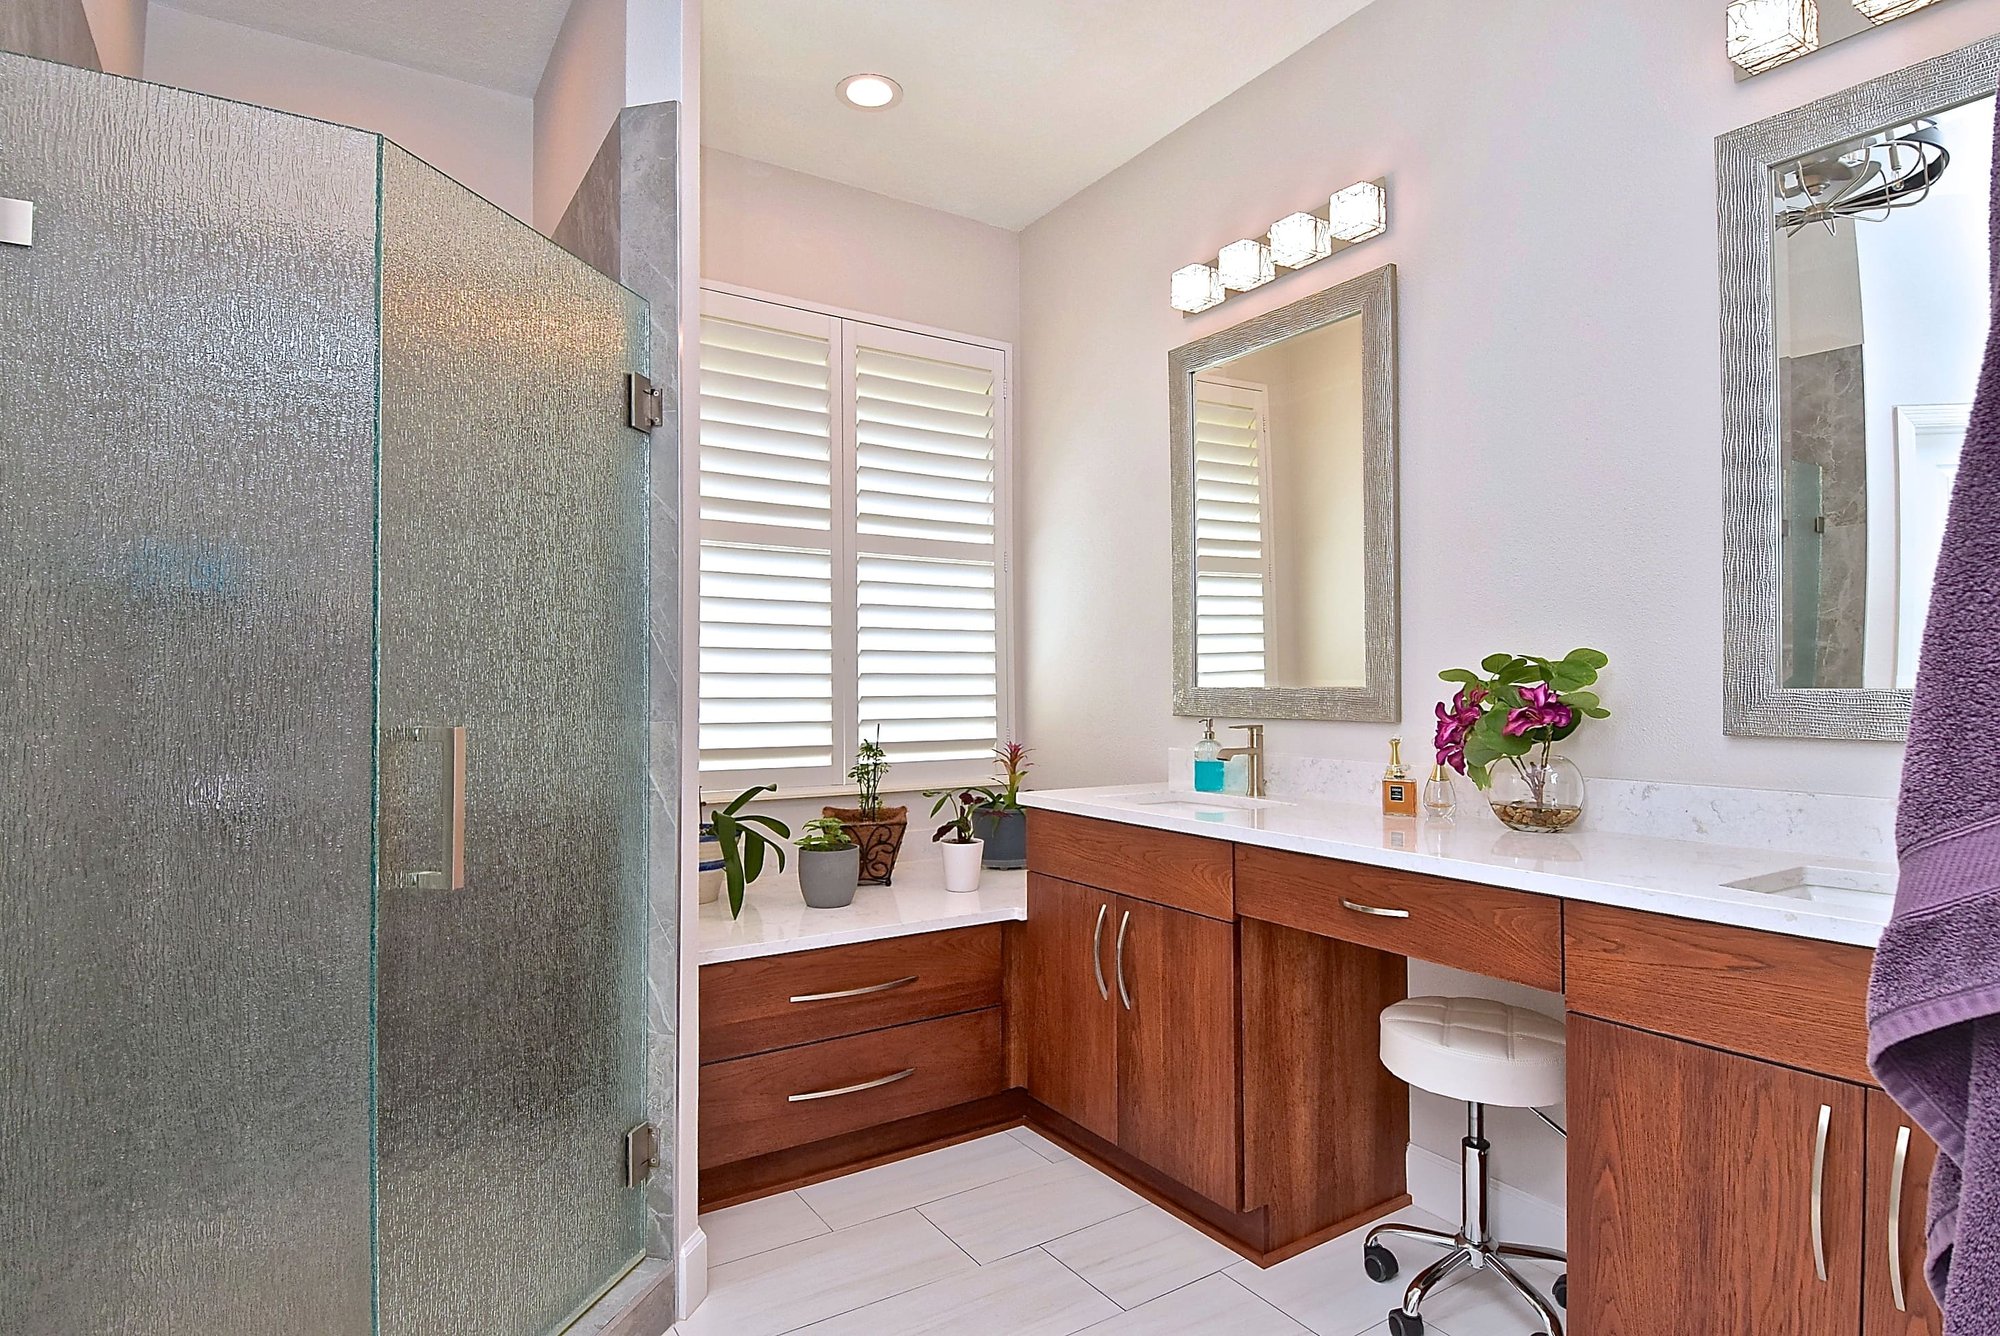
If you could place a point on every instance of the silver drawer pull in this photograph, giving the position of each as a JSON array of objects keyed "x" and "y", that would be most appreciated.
[
  {"x": 1374, "y": 911},
  {"x": 1896, "y": 1173},
  {"x": 856, "y": 992},
  {"x": 875, "y": 1084},
  {"x": 1819, "y": 1191}
]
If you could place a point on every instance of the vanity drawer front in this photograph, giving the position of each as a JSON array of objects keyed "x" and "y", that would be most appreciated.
[
  {"x": 796, "y": 1096},
  {"x": 1784, "y": 999},
  {"x": 1501, "y": 934},
  {"x": 1165, "y": 867},
  {"x": 754, "y": 1006}
]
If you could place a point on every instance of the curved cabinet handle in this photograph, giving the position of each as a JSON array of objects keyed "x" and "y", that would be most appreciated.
[
  {"x": 1819, "y": 1190},
  {"x": 1896, "y": 1172},
  {"x": 857, "y": 992},
  {"x": 1124, "y": 995},
  {"x": 1374, "y": 911},
  {"x": 1097, "y": 953},
  {"x": 875, "y": 1084}
]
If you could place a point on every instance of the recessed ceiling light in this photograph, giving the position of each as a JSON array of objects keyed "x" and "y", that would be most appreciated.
[{"x": 870, "y": 92}]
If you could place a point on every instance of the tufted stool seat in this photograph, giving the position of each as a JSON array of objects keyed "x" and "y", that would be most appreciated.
[{"x": 1482, "y": 1052}]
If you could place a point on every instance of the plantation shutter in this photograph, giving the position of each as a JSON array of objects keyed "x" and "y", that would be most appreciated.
[{"x": 1231, "y": 534}]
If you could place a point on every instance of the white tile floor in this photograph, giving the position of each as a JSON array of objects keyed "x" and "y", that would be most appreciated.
[{"x": 1010, "y": 1235}]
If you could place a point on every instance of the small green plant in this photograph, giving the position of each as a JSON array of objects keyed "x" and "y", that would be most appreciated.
[
  {"x": 870, "y": 764},
  {"x": 1515, "y": 708},
  {"x": 824, "y": 835},
  {"x": 964, "y": 803},
  {"x": 744, "y": 842},
  {"x": 1014, "y": 767}
]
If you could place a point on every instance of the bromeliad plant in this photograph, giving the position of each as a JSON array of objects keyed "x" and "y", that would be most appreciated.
[
  {"x": 1515, "y": 709},
  {"x": 1014, "y": 768},
  {"x": 964, "y": 804},
  {"x": 745, "y": 843}
]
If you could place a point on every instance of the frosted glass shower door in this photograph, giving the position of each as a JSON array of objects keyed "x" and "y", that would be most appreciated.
[{"x": 513, "y": 641}]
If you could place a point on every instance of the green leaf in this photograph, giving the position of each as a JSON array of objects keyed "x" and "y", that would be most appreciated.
[
  {"x": 1590, "y": 658},
  {"x": 1463, "y": 675},
  {"x": 753, "y": 860},
  {"x": 1566, "y": 677},
  {"x": 770, "y": 823},
  {"x": 1598, "y": 712},
  {"x": 726, "y": 832},
  {"x": 737, "y": 803},
  {"x": 1495, "y": 664},
  {"x": 1580, "y": 700}
]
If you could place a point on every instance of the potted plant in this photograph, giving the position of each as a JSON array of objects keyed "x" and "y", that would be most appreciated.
[
  {"x": 961, "y": 848},
  {"x": 1003, "y": 823},
  {"x": 742, "y": 842},
  {"x": 1515, "y": 710},
  {"x": 829, "y": 864},
  {"x": 878, "y": 830}
]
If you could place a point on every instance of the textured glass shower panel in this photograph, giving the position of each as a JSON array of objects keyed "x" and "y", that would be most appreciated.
[
  {"x": 186, "y": 495},
  {"x": 513, "y": 586}
]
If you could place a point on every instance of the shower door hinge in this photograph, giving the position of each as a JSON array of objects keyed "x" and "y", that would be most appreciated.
[
  {"x": 642, "y": 1154},
  {"x": 17, "y": 222},
  {"x": 645, "y": 405}
]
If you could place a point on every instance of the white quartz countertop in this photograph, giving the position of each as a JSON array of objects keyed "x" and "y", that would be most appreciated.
[
  {"x": 776, "y": 920},
  {"x": 1683, "y": 878}
]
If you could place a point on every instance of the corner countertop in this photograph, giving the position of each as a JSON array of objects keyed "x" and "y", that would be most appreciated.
[
  {"x": 776, "y": 920},
  {"x": 1682, "y": 878}
]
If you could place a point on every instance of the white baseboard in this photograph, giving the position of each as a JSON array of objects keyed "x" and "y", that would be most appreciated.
[
  {"x": 1514, "y": 1215},
  {"x": 691, "y": 1272}
]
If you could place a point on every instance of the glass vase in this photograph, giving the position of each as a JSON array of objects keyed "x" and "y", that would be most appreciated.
[{"x": 1540, "y": 792}]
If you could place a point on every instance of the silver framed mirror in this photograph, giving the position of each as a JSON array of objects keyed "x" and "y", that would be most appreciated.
[
  {"x": 1854, "y": 314},
  {"x": 1286, "y": 580}
]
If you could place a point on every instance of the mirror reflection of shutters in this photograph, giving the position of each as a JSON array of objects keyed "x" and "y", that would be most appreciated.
[{"x": 1231, "y": 533}]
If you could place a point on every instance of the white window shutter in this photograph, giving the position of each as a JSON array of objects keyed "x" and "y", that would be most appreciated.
[{"x": 1231, "y": 533}]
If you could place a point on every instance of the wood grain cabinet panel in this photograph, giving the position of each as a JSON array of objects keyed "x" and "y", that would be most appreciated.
[
  {"x": 1691, "y": 1191},
  {"x": 1896, "y": 1296},
  {"x": 1499, "y": 933},
  {"x": 754, "y": 1006},
  {"x": 1066, "y": 1025},
  {"x": 1184, "y": 871}
]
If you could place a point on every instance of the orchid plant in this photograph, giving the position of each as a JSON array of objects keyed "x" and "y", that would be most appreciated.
[{"x": 1515, "y": 709}]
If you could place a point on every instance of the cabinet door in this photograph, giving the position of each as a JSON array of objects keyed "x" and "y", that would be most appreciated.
[
  {"x": 1070, "y": 1035},
  {"x": 1178, "y": 1068},
  {"x": 1692, "y": 1191},
  {"x": 1900, "y": 1156}
]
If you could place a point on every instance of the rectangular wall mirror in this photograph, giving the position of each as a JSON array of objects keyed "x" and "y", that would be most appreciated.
[
  {"x": 1855, "y": 312},
  {"x": 1285, "y": 581}
]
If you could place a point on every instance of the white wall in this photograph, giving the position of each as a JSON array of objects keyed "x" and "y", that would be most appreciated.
[
  {"x": 1552, "y": 173},
  {"x": 119, "y": 29},
  {"x": 580, "y": 95},
  {"x": 802, "y": 236},
  {"x": 478, "y": 136}
]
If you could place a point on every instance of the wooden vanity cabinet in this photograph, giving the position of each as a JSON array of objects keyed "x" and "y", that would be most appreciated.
[
  {"x": 1065, "y": 1015},
  {"x": 1897, "y": 1298}
]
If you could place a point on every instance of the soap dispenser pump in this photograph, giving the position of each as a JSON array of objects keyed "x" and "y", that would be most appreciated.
[{"x": 1209, "y": 770}]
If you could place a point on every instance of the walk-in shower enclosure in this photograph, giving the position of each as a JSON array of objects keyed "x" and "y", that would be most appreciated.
[{"x": 322, "y": 860}]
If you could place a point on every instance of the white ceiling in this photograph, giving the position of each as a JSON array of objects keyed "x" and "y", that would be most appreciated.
[
  {"x": 1009, "y": 106},
  {"x": 499, "y": 44}
]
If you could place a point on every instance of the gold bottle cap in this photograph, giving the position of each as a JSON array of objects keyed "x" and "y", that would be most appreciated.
[{"x": 1440, "y": 771}]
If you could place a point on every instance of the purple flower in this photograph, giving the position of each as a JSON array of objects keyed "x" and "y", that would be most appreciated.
[
  {"x": 1542, "y": 708},
  {"x": 1454, "y": 723}
]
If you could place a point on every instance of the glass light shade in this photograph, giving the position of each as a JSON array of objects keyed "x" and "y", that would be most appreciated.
[
  {"x": 1298, "y": 239},
  {"x": 1196, "y": 288},
  {"x": 1358, "y": 213},
  {"x": 1764, "y": 34},
  {"x": 1245, "y": 265},
  {"x": 1881, "y": 11}
]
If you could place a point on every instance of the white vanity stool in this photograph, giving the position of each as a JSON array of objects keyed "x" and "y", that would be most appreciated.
[{"x": 1483, "y": 1052}]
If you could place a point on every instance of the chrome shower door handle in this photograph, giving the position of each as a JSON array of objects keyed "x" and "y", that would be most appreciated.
[
  {"x": 1097, "y": 953},
  {"x": 1124, "y": 994},
  {"x": 451, "y": 877},
  {"x": 1897, "y": 1170},
  {"x": 1819, "y": 1191}
]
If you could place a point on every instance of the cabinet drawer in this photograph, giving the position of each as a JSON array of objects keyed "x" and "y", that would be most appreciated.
[
  {"x": 754, "y": 1006},
  {"x": 1502, "y": 934},
  {"x": 795, "y": 1096},
  {"x": 1784, "y": 999},
  {"x": 1179, "y": 871}
]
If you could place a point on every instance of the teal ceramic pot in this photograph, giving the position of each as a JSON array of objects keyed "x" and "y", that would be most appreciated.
[{"x": 1006, "y": 834}]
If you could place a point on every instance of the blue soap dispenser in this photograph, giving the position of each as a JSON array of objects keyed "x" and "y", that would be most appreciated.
[{"x": 1208, "y": 765}]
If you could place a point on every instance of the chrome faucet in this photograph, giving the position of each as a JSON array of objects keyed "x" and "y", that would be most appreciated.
[{"x": 1255, "y": 751}]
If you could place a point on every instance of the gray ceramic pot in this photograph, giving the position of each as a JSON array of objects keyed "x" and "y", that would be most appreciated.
[
  {"x": 1006, "y": 836},
  {"x": 827, "y": 877}
]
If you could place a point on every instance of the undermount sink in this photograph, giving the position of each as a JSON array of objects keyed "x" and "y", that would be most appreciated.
[
  {"x": 1825, "y": 886},
  {"x": 1201, "y": 803}
]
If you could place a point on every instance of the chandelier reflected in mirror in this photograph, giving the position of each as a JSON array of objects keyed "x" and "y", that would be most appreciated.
[{"x": 1863, "y": 178}]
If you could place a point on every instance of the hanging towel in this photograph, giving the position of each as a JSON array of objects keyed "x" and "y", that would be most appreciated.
[{"x": 1934, "y": 1001}]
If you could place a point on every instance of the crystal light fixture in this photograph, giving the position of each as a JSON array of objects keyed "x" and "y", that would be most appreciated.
[
  {"x": 1245, "y": 265},
  {"x": 1358, "y": 213},
  {"x": 1764, "y": 34},
  {"x": 1881, "y": 11},
  {"x": 1196, "y": 288},
  {"x": 1298, "y": 239}
]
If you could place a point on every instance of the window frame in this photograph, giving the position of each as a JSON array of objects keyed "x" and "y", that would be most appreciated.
[{"x": 845, "y": 543}]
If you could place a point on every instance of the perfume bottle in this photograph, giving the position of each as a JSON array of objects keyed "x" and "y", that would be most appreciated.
[
  {"x": 1440, "y": 800},
  {"x": 1399, "y": 789}
]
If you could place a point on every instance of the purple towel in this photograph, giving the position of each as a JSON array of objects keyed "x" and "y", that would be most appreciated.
[{"x": 1934, "y": 1002}]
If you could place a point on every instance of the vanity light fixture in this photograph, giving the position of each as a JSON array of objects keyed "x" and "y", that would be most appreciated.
[
  {"x": 869, "y": 92},
  {"x": 1764, "y": 34},
  {"x": 1196, "y": 288},
  {"x": 1245, "y": 264},
  {"x": 1358, "y": 213},
  {"x": 1298, "y": 239},
  {"x": 1881, "y": 11}
]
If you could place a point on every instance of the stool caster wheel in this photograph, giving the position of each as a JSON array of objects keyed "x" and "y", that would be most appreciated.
[
  {"x": 1561, "y": 1290},
  {"x": 1379, "y": 1262},
  {"x": 1402, "y": 1324}
]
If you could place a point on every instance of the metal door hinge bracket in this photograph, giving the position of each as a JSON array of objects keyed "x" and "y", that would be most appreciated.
[
  {"x": 642, "y": 1154},
  {"x": 17, "y": 222},
  {"x": 645, "y": 405}
]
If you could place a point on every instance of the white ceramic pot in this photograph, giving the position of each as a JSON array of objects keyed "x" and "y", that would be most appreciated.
[{"x": 961, "y": 864}]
